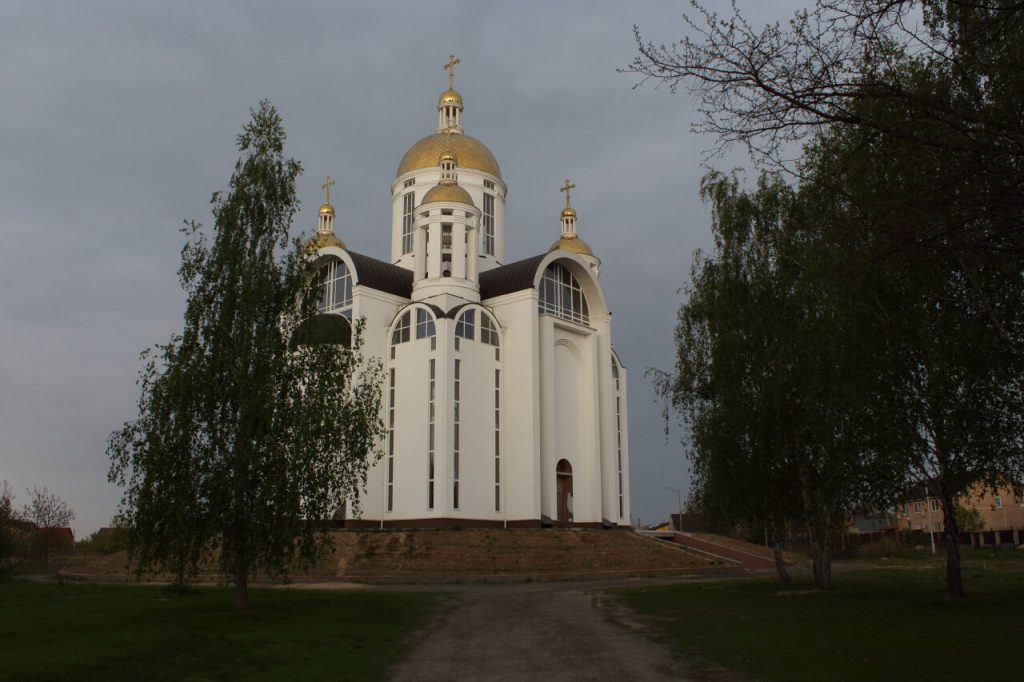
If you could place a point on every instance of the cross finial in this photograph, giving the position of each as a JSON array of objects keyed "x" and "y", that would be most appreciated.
[
  {"x": 448, "y": 138},
  {"x": 568, "y": 186},
  {"x": 450, "y": 68},
  {"x": 327, "y": 187}
]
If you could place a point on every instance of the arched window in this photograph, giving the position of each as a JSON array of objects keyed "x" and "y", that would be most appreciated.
[
  {"x": 562, "y": 296},
  {"x": 466, "y": 325},
  {"x": 488, "y": 332},
  {"x": 401, "y": 333},
  {"x": 424, "y": 324},
  {"x": 425, "y": 327},
  {"x": 335, "y": 283}
]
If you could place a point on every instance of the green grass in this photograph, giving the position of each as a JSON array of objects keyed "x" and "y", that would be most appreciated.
[
  {"x": 103, "y": 632},
  {"x": 886, "y": 623}
]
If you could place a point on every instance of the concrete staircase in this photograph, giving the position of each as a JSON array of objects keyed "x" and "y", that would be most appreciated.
[
  {"x": 485, "y": 555},
  {"x": 704, "y": 546}
]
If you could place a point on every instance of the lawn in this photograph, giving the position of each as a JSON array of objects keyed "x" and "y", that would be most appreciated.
[
  {"x": 882, "y": 622},
  {"x": 104, "y": 632}
]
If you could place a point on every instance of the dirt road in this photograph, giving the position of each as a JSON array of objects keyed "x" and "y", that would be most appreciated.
[{"x": 552, "y": 631}]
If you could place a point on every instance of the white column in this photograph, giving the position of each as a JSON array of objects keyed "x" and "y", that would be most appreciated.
[
  {"x": 606, "y": 421},
  {"x": 459, "y": 234},
  {"x": 473, "y": 259},
  {"x": 546, "y": 346},
  {"x": 434, "y": 256},
  {"x": 420, "y": 252}
]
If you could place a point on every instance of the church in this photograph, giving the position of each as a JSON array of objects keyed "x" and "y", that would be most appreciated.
[{"x": 504, "y": 403}]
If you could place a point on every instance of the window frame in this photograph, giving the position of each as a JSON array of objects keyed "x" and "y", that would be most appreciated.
[
  {"x": 334, "y": 277},
  {"x": 560, "y": 294}
]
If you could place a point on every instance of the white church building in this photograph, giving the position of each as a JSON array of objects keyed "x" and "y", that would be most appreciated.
[{"x": 504, "y": 403}]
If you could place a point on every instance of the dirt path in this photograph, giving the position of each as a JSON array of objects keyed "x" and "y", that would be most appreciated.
[{"x": 533, "y": 632}]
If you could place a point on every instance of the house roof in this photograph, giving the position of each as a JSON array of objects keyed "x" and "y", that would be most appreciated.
[
  {"x": 382, "y": 276},
  {"x": 509, "y": 278},
  {"x": 396, "y": 280}
]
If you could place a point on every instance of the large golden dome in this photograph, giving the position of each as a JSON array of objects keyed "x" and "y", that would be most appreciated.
[{"x": 471, "y": 152}]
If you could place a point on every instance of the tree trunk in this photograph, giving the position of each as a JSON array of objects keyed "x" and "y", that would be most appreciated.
[
  {"x": 951, "y": 536},
  {"x": 819, "y": 535},
  {"x": 821, "y": 552},
  {"x": 780, "y": 564},
  {"x": 241, "y": 584}
]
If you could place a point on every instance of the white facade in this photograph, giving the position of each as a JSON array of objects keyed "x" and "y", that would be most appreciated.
[{"x": 504, "y": 401}]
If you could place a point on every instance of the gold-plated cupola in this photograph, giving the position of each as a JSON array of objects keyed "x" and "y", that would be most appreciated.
[
  {"x": 570, "y": 241},
  {"x": 325, "y": 221},
  {"x": 449, "y": 104}
]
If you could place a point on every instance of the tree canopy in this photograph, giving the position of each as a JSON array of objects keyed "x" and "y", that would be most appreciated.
[
  {"x": 939, "y": 75},
  {"x": 246, "y": 442},
  {"x": 908, "y": 218}
]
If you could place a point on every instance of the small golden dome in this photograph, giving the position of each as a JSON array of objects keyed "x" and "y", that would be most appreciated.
[
  {"x": 447, "y": 192},
  {"x": 572, "y": 245},
  {"x": 568, "y": 212},
  {"x": 447, "y": 155},
  {"x": 324, "y": 240},
  {"x": 326, "y": 209},
  {"x": 449, "y": 97},
  {"x": 471, "y": 152}
]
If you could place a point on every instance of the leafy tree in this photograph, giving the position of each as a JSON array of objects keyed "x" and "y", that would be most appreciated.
[
  {"x": 108, "y": 540},
  {"x": 950, "y": 326},
  {"x": 48, "y": 512},
  {"x": 245, "y": 442},
  {"x": 775, "y": 376},
  {"x": 10, "y": 533},
  {"x": 914, "y": 160},
  {"x": 968, "y": 519},
  {"x": 954, "y": 69}
]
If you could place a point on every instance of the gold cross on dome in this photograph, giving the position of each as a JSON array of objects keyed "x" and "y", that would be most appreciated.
[
  {"x": 450, "y": 68},
  {"x": 448, "y": 138},
  {"x": 568, "y": 186},
  {"x": 327, "y": 187}
]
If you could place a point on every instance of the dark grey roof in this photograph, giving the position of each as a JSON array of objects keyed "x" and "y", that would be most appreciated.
[
  {"x": 326, "y": 328},
  {"x": 509, "y": 278},
  {"x": 438, "y": 313},
  {"x": 382, "y": 276}
]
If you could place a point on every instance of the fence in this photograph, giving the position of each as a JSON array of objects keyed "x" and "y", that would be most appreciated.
[{"x": 1010, "y": 537}]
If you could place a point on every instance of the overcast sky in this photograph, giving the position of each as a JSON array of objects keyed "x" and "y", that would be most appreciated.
[{"x": 118, "y": 121}]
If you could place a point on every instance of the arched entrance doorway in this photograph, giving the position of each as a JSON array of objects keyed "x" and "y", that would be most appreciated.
[{"x": 563, "y": 485}]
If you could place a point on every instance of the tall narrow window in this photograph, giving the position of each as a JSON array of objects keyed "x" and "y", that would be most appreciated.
[
  {"x": 335, "y": 289},
  {"x": 391, "y": 439},
  {"x": 455, "y": 437},
  {"x": 488, "y": 224},
  {"x": 431, "y": 392},
  {"x": 407, "y": 222},
  {"x": 497, "y": 440},
  {"x": 561, "y": 295}
]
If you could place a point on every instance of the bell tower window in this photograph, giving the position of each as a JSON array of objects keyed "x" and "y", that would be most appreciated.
[
  {"x": 488, "y": 224},
  {"x": 408, "y": 204}
]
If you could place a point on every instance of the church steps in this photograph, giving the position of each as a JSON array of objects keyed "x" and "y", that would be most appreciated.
[{"x": 483, "y": 555}]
